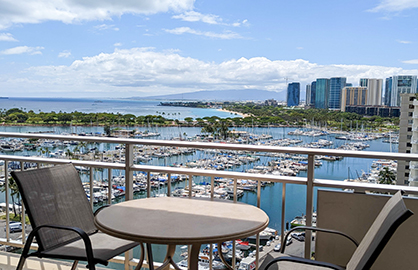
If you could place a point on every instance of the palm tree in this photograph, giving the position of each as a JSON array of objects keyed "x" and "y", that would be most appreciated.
[
  {"x": 387, "y": 177},
  {"x": 68, "y": 153},
  {"x": 14, "y": 191}
]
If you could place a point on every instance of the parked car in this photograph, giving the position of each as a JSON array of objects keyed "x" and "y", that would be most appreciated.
[
  {"x": 14, "y": 226},
  {"x": 289, "y": 241},
  {"x": 277, "y": 247},
  {"x": 299, "y": 236}
]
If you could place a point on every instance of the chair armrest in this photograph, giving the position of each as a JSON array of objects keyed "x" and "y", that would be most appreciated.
[
  {"x": 315, "y": 229},
  {"x": 303, "y": 261},
  {"x": 84, "y": 236},
  {"x": 100, "y": 209}
]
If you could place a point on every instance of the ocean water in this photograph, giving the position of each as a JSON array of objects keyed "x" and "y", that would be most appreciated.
[{"x": 123, "y": 106}]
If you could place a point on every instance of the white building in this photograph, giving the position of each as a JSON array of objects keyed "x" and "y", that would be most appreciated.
[
  {"x": 308, "y": 94},
  {"x": 408, "y": 140},
  {"x": 374, "y": 90}
]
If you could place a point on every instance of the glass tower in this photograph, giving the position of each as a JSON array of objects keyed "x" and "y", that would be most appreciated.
[
  {"x": 335, "y": 87},
  {"x": 313, "y": 93},
  {"x": 293, "y": 94},
  {"x": 321, "y": 93},
  {"x": 400, "y": 85}
]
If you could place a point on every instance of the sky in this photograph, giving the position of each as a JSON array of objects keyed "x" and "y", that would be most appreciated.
[{"x": 139, "y": 48}]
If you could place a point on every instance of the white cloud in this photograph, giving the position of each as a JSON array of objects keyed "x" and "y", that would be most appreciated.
[
  {"x": 413, "y": 61},
  {"x": 193, "y": 16},
  {"x": 103, "y": 27},
  {"x": 188, "y": 30},
  {"x": 22, "y": 50},
  {"x": 143, "y": 71},
  {"x": 7, "y": 37},
  {"x": 244, "y": 22},
  {"x": 117, "y": 44},
  {"x": 404, "y": 41},
  {"x": 64, "y": 54},
  {"x": 299, "y": 48},
  {"x": 394, "y": 5},
  {"x": 71, "y": 11}
]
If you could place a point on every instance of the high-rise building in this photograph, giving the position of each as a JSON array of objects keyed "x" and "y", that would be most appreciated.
[
  {"x": 374, "y": 90},
  {"x": 353, "y": 96},
  {"x": 397, "y": 85},
  {"x": 407, "y": 172},
  {"x": 293, "y": 94},
  {"x": 313, "y": 93},
  {"x": 321, "y": 93},
  {"x": 388, "y": 91},
  {"x": 308, "y": 95},
  {"x": 364, "y": 82},
  {"x": 336, "y": 84}
]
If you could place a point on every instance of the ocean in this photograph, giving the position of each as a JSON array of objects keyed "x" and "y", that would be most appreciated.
[{"x": 136, "y": 107}]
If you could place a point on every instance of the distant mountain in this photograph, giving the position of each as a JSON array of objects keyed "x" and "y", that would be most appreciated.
[{"x": 223, "y": 95}]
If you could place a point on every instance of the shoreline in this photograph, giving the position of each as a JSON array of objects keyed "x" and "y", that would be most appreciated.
[{"x": 237, "y": 113}]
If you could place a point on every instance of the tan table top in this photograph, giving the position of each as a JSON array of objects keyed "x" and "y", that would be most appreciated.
[{"x": 181, "y": 221}]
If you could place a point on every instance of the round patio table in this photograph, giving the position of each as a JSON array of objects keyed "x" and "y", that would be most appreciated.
[{"x": 181, "y": 221}]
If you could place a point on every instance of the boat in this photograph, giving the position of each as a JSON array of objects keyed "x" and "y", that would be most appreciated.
[
  {"x": 204, "y": 261},
  {"x": 266, "y": 234},
  {"x": 301, "y": 221}
]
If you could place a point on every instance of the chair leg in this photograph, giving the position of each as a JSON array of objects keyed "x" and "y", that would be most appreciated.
[
  {"x": 74, "y": 266},
  {"x": 25, "y": 251},
  {"x": 21, "y": 263}
]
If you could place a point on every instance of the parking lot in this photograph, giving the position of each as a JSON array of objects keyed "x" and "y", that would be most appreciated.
[
  {"x": 296, "y": 248},
  {"x": 14, "y": 235}
]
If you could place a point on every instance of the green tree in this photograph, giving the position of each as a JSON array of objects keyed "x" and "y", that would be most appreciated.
[
  {"x": 107, "y": 130},
  {"x": 14, "y": 192},
  {"x": 65, "y": 117},
  {"x": 69, "y": 153},
  {"x": 189, "y": 120},
  {"x": 387, "y": 177}
]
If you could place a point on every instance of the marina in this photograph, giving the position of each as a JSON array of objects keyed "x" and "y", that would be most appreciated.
[
  {"x": 327, "y": 167},
  {"x": 285, "y": 164}
]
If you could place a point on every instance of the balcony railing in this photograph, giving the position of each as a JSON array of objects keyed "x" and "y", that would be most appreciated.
[{"x": 129, "y": 168}]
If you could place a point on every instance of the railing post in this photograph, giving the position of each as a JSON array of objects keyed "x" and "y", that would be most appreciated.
[
  {"x": 283, "y": 224},
  {"x": 91, "y": 187},
  {"x": 7, "y": 191},
  {"x": 235, "y": 189},
  {"x": 257, "y": 239},
  {"x": 148, "y": 184},
  {"x": 309, "y": 204},
  {"x": 22, "y": 211},
  {"x": 190, "y": 185},
  {"x": 168, "y": 184},
  {"x": 109, "y": 186},
  {"x": 212, "y": 188},
  {"x": 129, "y": 192},
  {"x": 129, "y": 176}
]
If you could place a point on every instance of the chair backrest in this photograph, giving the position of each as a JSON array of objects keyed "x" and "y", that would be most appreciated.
[
  {"x": 392, "y": 215},
  {"x": 55, "y": 196}
]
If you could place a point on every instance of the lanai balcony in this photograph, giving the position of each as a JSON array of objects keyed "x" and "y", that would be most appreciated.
[{"x": 351, "y": 196}]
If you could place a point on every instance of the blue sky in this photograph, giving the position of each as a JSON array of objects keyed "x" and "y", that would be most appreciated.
[{"x": 118, "y": 48}]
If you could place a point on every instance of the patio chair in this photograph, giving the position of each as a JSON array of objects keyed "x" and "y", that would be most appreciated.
[
  {"x": 392, "y": 215},
  {"x": 62, "y": 219}
]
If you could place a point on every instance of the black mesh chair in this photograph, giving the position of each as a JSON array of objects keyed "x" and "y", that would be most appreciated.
[
  {"x": 392, "y": 215},
  {"x": 62, "y": 219}
]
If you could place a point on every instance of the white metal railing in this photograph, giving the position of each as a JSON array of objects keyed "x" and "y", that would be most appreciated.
[{"x": 309, "y": 181}]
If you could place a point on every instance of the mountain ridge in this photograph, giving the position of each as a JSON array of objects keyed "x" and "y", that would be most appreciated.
[{"x": 222, "y": 95}]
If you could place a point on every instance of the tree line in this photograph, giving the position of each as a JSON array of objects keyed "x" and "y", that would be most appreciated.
[{"x": 256, "y": 115}]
